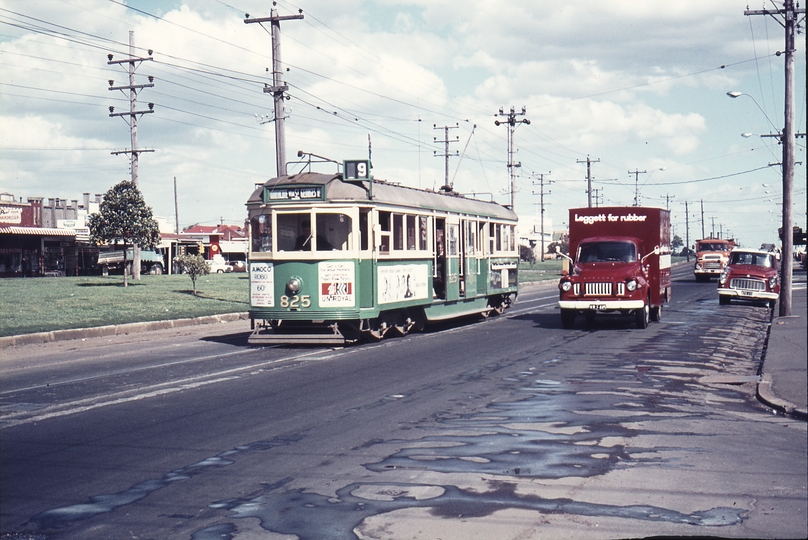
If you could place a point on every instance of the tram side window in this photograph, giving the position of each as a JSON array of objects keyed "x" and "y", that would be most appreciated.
[
  {"x": 411, "y": 233},
  {"x": 481, "y": 238},
  {"x": 423, "y": 228},
  {"x": 496, "y": 237},
  {"x": 512, "y": 229},
  {"x": 471, "y": 242},
  {"x": 384, "y": 225},
  {"x": 451, "y": 248},
  {"x": 398, "y": 231},
  {"x": 363, "y": 229},
  {"x": 261, "y": 233}
]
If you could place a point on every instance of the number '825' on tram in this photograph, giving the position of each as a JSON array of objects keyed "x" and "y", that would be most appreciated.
[{"x": 338, "y": 258}]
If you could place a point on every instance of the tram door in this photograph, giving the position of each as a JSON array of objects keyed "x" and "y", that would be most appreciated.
[
  {"x": 439, "y": 272},
  {"x": 468, "y": 258}
]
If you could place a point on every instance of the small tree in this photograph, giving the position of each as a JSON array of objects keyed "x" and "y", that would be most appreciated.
[
  {"x": 676, "y": 243},
  {"x": 194, "y": 266},
  {"x": 123, "y": 218}
]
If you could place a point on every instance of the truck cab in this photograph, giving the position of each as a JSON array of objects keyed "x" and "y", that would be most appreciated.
[
  {"x": 712, "y": 255},
  {"x": 620, "y": 263}
]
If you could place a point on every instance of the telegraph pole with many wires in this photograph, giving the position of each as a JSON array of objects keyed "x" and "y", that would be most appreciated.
[
  {"x": 278, "y": 89},
  {"x": 133, "y": 62},
  {"x": 512, "y": 123},
  {"x": 446, "y": 154},
  {"x": 589, "y": 163},
  {"x": 637, "y": 173},
  {"x": 541, "y": 205},
  {"x": 789, "y": 22}
]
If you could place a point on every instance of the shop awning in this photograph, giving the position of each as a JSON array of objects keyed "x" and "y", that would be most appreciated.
[{"x": 37, "y": 231}]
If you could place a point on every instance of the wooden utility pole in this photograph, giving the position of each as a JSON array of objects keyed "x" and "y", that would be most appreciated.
[
  {"x": 589, "y": 163},
  {"x": 637, "y": 173},
  {"x": 277, "y": 89},
  {"x": 541, "y": 203},
  {"x": 133, "y": 114},
  {"x": 789, "y": 18},
  {"x": 687, "y": 232},
  {"x": 446, "y": 185},
  {"x": 512, "y": 123}
]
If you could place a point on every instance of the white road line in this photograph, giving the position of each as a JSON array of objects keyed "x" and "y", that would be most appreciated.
[{"x": 146, "y": 392}]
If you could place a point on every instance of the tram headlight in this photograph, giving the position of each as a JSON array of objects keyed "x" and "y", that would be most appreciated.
[
  {"x": 631, "y": 285},
  {"x": 293, "y": 285}
]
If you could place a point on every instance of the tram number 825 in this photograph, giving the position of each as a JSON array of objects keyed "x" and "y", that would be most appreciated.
[{"x": 296, "y": 302}]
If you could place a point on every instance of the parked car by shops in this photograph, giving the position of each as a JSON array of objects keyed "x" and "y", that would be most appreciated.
[
  {"x": 219, "y": 266},
  {"x": 237, "y": 266},
  {"x": 750, "y": 275}
]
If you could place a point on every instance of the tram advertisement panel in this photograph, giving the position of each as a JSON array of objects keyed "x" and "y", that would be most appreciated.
[
  {"x": 404, "y": 282},
  {"x": 262, "y": 284},
  {"x": 336, "y": 284}
]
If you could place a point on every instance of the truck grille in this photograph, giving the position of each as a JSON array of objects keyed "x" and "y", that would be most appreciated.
[
  {"x": 748, "y": 284},
  {"x": 712, "y": 265},
  {"x": 598, "y": 289}
]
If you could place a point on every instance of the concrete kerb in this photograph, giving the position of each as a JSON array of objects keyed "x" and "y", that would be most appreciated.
[
  {"x": 767, "y": 397},
  {"x": 115, "y": 329}
]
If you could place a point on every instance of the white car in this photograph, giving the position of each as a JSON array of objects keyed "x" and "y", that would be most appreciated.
[{"x": 219, "y": 266}]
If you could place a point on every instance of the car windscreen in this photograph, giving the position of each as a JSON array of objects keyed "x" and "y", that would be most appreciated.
[{"x": 755, "y": 259}]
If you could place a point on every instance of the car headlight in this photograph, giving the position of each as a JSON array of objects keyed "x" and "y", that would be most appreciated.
[
  {"x": 293, "y": 285},
  {"x": 566, "y": 286},
  {"x": 631, "y": 285},
  {"x": 772, "y": 282}
]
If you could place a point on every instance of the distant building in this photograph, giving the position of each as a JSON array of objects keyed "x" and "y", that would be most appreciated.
[{"x": 39, "y": 239}]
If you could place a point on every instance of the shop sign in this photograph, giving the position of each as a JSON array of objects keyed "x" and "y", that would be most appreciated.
[{"x": 11, "y": 214}]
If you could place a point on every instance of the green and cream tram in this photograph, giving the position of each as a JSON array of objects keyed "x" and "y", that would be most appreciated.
[{"x": 335, "y": 258}]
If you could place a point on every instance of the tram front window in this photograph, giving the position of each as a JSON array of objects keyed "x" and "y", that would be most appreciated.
[
  {"x": 261, "y": 233},
  {"x": 331, "y": 232}
]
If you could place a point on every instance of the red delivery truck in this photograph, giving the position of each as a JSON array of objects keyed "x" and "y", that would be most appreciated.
[{"x": 620, "y": 262}]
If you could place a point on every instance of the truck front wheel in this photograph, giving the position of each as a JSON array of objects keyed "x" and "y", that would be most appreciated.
[
  {"x": 567, "y": 318},
  {"x": 642, "y": 316}
]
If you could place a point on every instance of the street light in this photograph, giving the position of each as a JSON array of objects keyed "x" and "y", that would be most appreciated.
[
  {"x": 734, "y": 95},
  {"x": 786, "y": 137}
]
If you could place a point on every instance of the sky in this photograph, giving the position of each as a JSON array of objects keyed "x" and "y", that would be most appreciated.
[{"x": 637, "y": 88}]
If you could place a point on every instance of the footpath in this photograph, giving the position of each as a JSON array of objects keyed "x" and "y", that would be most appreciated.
[{"x": 783, "y": 376}]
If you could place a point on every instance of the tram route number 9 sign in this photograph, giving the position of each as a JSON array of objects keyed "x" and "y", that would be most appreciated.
[
  {"x": 356, "y": 170},
  {"x": 262, "y": 284},
  {"x": 336, "y": 281}
]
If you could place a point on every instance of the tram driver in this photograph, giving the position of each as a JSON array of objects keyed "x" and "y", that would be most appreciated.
[{"x": 303, "y": 242}]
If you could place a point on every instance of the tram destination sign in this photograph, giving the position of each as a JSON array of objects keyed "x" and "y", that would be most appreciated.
[{"x": 293, "y": 193}]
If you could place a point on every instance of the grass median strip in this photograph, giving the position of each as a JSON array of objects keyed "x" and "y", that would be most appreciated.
[{"x": 47, "y": 304}]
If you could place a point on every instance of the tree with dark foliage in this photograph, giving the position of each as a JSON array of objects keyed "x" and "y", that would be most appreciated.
[{"x": 124, "y": 219}]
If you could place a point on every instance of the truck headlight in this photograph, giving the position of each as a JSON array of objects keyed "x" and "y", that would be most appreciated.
[
  {"x": 772, "y": 282},
  {"x": 631, "y": 285},
  {"x": 723, "y": 278},
  {"x": 566, "y": 286},
  {"x": 698, "y": 266}
]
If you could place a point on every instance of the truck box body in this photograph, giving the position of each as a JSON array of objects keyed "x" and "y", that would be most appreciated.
[{"x": 615, "y": 263}]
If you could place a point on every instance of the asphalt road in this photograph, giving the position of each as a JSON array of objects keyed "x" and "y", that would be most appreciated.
[{"x": 502, "y": 429}]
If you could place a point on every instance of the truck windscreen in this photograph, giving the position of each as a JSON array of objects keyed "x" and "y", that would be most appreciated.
[{"x": 607, "y": 252}]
